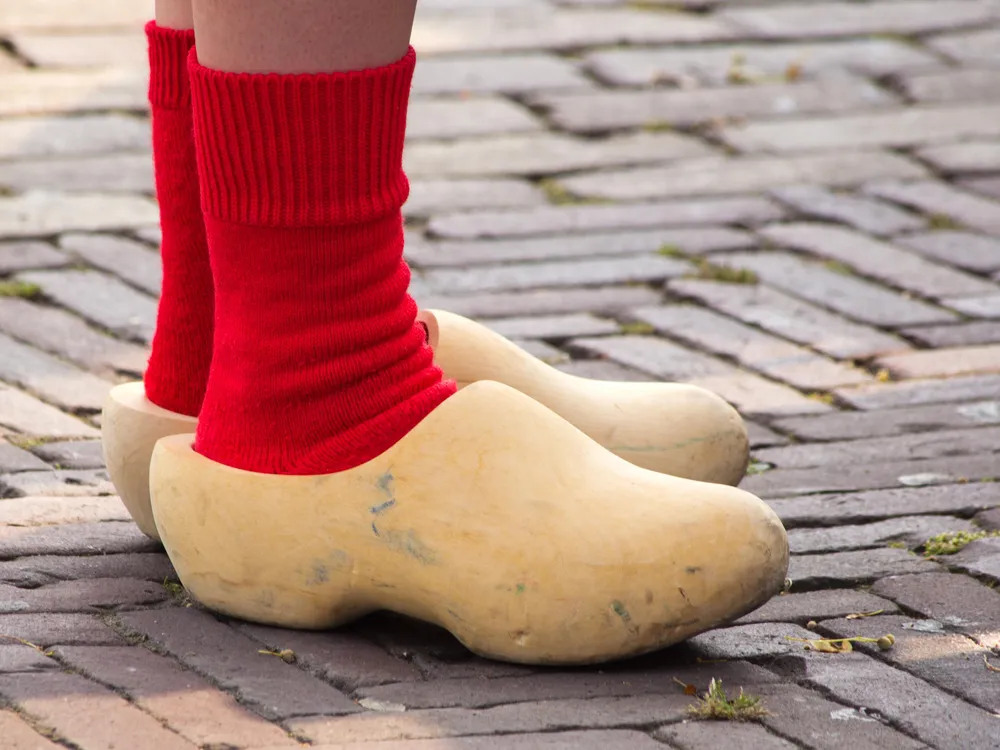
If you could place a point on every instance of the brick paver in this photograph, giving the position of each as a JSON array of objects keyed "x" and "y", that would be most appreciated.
[{"x": 588, "y": 177}]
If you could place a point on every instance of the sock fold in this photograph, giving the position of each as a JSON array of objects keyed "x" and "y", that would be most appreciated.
[
  {"x": 303, "y": 150},
  {"x": 318, "y": 364}
]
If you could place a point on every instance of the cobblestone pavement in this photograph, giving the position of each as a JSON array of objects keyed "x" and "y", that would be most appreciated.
[{"x": 795, "y": 204}]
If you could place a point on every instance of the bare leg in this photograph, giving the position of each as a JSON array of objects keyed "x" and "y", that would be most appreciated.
[
  {"x": 174, "y": 14},
  {"x": 305, "y": 36}
]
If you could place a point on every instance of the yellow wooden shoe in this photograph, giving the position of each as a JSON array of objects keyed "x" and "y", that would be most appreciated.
[
  {"x": 494, "y": 518},
  {"x": 672, "y": 428},
  {"x": 667, "y": 427},
  {"x": 130, "y": 426}
]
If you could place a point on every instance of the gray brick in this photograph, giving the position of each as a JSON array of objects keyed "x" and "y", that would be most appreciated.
[
  {"x": 981, "y": 558},
  {"x": 938, "y": 444},
  {"x": 58, "y": 92},
  {"x": 552, "y": 326},
  {"x": 108, "y": 173},
  {"x": 825, "y": 19},
  {"x": 951, "y": 662},
  {"x": 57, "y": 382},
  {"x": 793, "y": 319},
  {"x": 546, "y": 153},
  {"x": 874, "y": 424},
  {"x": 592, "y": 740},
  {"x": 761, "y": 436},
  {"x": 541, "y": 716},
  {"x": 553, "y": 685},
  {"x": 877, "y": 259},
  {"x": 82, "y": 50},
  {"x": 75, "y": 539},
  {"x": 980, "y": 46},
  {"x": 190, "y": 706},
  {"x": 22, "y": 256},
  {"x": 968, "y": 157},
  {"x": 21, "y": 658},
  {"x": 910, "y": 703},
  {"x": 748, "y": 392},
  {"x": 530, "y": 29},
  {"x": 689, "y": 240},
  {"x": 72, "y": 454},
  {"x": 910, "y": 530},
  {"x": 697, "y": 735},
  {"x": 816, "y": 722},
  {"x": 760, "y": 62},
  {"x": 963, "y": 334},
  {"x": 40, "y": 570},
  {"x": 463, "y": 118},
  {"x": 603, "y": 110},
  {"x": 276, "y": 689},
  {"x": 603, "y": 299},
  {"x": 27, "y": 414},
  {"x": 952, "y": 86},
  {"x": 942, "y": 199},
  {"x": 42, "y": 213},
  {"x": 917, "y": 393},
  {"x": 431, "y": 196},
  {"x": 755, "y": 641},
  {"x": 943, "y": 362},
  {"x": 848, "y": 295},
  {"x": 816, "y": 605},
  {"x": 960, "y": 602},
  {"x": 493, "y": 278},
  {"x": 865, "y": 214},
  {"x": 96, "y": 595},
  {"x": 507, "y": 74},
  {"x": 65, "y": 335},
  {"x": 852, "y": 568},
  {"x": 749, "y": 347},
  {"x": 564, "y": 219},
  {"x": 875, "y": 505},
  {"x": 976, "y": 307},
  {"x": 43, "y": 511},
  {"x": 129, "y": 260},
  {"x": 719, "y": 176},
  {"x": 101, "y": 299},
  {"x": 949, "y": 470},
  {"x": 962, "y": 249},
  {"x": 33, "y": 137},
  {"x": 901, "y": 127},
  {"x": 988, "y": 186},
  {"x": 14, "y": 459},
  {"x": 49, "y": 629},
  {"x": 56, "y": 483},
  {"x": 343, "y": 658}
]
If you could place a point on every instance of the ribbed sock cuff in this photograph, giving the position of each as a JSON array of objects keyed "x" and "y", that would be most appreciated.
[
  {"x": 301, "y": 150},
  {"x": 168, "y": 74}
]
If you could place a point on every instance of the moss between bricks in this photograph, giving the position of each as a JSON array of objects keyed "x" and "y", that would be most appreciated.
[
  {"x": 21, "y": 289},
  {"x": 954, "y": 541},
  {"x": 715, "y": 705}
]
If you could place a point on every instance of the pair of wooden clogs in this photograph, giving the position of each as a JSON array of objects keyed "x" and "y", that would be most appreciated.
[{"x": 539, "y": 517}]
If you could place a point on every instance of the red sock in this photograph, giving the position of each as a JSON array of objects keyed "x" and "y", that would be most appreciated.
[
  {"x": 182, "y": 344},
  {"x": 319, "y": 364}
]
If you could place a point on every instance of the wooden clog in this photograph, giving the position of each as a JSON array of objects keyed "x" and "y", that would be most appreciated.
[
  {"x": 494, "y": 518},
  {"x": 130, "y": 426},
  {"x": 672, "y": 428}
]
